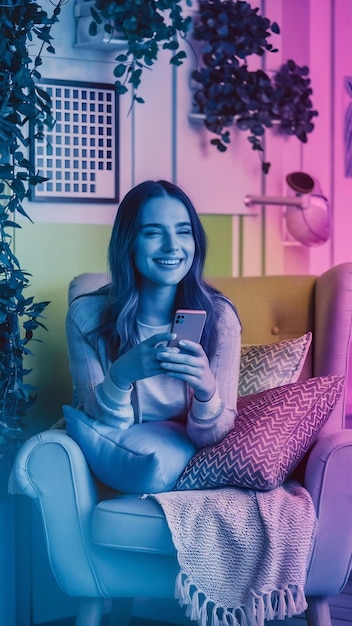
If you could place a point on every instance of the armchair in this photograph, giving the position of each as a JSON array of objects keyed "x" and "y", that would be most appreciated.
[{"x": 103, "y": 545}]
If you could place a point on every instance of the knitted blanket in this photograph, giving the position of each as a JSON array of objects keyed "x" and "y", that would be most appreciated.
[{"x": 243, "y": 554}]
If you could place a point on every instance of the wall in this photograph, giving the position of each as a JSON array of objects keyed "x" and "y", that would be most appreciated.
[{"x": 158, "y": 139}]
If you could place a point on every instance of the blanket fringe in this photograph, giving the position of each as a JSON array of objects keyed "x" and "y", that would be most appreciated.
[{"x": 276, "y": 604}]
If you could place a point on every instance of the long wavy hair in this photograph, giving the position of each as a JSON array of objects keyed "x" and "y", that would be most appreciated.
[{"x": 119, "y": 324}]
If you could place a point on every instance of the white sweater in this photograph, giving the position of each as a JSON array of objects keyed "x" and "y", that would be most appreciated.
[{"x": 95, "y": 394}]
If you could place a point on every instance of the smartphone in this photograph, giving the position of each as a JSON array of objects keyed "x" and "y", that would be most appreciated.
[{"x": 188, "y": 324}]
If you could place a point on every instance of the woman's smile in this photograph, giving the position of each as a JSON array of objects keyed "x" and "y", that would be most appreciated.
[{"x": 168, "y": 262}]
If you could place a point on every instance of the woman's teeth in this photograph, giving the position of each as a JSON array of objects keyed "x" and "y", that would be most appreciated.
[{"x": 168, "y": 261}]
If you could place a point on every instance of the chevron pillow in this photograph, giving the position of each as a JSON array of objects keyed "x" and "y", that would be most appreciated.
[
  {"x": 272, "y": 432},
  {"x": 272, "y": 365}
]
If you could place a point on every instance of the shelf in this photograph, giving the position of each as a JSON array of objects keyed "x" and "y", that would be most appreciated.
[{"x": 196, "y": 117}]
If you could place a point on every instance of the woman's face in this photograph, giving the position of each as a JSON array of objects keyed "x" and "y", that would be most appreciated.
[{"x": 164, "y": 248}]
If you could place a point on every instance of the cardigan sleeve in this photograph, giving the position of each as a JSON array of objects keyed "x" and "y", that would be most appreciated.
[
  {"x": 89, "y": 367},
  {"x": 209, "y": 422}
]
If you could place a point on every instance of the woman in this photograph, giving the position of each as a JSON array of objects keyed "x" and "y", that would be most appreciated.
[{"x": 122, "y": 369}]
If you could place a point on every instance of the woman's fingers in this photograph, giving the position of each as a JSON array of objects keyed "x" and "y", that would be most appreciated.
[
  {"x": 178, "y": 361},
  {"x": 159, "y": 338},
  {"x": 188, "y": 353},
  {"x": 192, "y": 347},
  {"x": 192, "y": 366}
]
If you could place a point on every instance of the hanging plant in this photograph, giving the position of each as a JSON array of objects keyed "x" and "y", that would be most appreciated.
[
  {"x": 230, "y": 93},
  {"x": 292, "y": 100},
  {"x": 23, "y": 106},
  {"x": 147, "y": 26}
]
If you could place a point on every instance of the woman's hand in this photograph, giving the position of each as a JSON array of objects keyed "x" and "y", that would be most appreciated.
[
  {"x": 141, "y": 361},
  {"x": 191, "y": 365}
]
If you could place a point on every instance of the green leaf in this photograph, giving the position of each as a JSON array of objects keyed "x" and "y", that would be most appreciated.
[
  {"x": 121, "y": 89},
  {"x": 37, "y": 180},
  {"x": 265, "y": 167},
  {"x": 220, "y": 146},
  {"x": 43, "y": 94},
  {"x": 93, "y": 29},
  {"x": 96, "y": 16},
  {"x": 135, "y": 78},
  {"x": 119, "y": 70},
  {"x": 18, "y": 188},
  {"x": 177, "y": 59},
  {"x": 43, "y": 34},
  {"x": 122, "y": 58},
  {"x": 275, "y": 28},
  {"x": 170, "y": 45},
  {"x": 21, "y": 210},
  {"x": 11, "y": 224}
]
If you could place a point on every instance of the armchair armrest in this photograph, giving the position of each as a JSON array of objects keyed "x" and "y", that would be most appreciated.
[
  {"x": 51, "y": 468},
  {"x": 328, "y": 480},
  {"x": 27, "y": 473}
]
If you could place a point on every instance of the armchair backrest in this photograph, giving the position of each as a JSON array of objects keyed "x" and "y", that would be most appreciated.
[{"x": 273, "y": 308}]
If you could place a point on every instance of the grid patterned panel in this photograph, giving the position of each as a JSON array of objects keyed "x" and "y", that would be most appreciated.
[{"x": 79, "y": 155}]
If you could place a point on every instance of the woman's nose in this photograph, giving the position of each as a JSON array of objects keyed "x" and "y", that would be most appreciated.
[{"x": 170, "y": 241}]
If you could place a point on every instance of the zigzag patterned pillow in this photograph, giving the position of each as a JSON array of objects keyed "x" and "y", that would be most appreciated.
[
  {"x": 272, "y": 432},
  {"x": 272, "y": 365}
]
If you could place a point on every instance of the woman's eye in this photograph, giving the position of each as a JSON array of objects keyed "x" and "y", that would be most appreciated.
[
  {"x": 185, "y": 231},
  {"x": 152, "y": 233}
]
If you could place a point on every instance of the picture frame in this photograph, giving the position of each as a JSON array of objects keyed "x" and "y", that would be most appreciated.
[{"x": 80, "y": 155}]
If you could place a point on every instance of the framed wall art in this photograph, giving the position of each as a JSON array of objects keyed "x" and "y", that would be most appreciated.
[{"x": 79, "y": 155}]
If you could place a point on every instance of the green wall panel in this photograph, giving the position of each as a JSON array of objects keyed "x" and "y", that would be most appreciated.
[
  {"x": 53, "y": 253},
  {"x": 219, "y": 233}
]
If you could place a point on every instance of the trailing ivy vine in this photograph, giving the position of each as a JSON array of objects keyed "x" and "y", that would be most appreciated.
[
  {"x": 148, "y": 26},
  {"x": 24, "y": 109}
]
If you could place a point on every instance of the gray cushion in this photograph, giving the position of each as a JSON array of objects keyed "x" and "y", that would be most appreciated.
[
  {"x": 133, "y": 524},
  {"x": 145, "y": 458}
]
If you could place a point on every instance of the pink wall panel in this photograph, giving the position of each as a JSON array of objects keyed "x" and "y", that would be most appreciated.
[{"x": 342, "y": 184}]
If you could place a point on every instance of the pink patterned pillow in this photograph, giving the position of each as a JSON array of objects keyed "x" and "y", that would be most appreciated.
[{"x": 271, "y": 434}]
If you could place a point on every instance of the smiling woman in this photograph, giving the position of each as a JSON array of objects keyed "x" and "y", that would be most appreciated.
[{"x": 124, "y": 370}]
